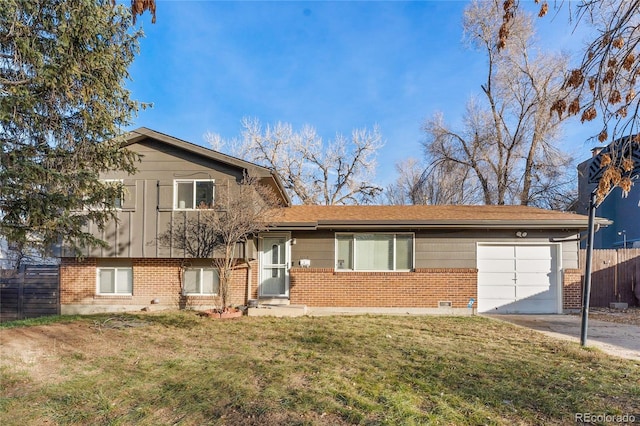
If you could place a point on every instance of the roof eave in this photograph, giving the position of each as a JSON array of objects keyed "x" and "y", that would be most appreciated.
[
  {"x": 294, "y": 226},
  {"x": 280, "y": 185},
  {"x": 476, "y": 224},
  {"x": 490, "y": 223}
]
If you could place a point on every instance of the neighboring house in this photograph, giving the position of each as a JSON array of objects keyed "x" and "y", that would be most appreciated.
[
  {"x": 6, "y": 262},
  {"x": 416, "y": 259},
  {"x": 10, "y": 258},
  {"x": 623, "y": 211}
]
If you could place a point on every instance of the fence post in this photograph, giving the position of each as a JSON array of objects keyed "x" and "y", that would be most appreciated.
[
  {"x": 58, "y": 307},
  {"x": 616, "y": 294},
  {"x": 21, "y": 278}
]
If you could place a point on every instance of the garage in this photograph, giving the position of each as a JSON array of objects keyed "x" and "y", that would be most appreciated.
[{"x": 520, "y": 278}]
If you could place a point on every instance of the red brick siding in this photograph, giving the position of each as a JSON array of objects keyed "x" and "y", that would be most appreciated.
[
  {"x": 77, "y": 280},
  {"x": 255, "y": 277},
  {"x": 572, "y": 289},
  {"x": 323, "y": 287},
  {"x": 152, "y": 279},
  {"x": 314, "y": 287}
]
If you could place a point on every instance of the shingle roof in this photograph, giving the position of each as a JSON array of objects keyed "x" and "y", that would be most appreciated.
[{"x": 462, "y": 216}]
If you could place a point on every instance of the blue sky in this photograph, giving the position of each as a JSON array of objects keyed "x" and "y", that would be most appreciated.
[{"x": 336, "y": 65}]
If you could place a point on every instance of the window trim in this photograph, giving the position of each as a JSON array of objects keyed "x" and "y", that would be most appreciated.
[
  {"x": 193, "y": 182},
  {"x": 115, "y": 287},
  {"x": 201, "y": 270},
  {"x": 354, "y": 255}
]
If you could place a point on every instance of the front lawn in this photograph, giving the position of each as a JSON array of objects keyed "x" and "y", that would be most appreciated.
[{"x": 179, "y": 368}]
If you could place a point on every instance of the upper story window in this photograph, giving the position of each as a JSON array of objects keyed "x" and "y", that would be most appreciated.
[
  {"x": 374, "y": 252},
  {"x": 193, "y": 194},
  {"x": 116, "y": 202}
]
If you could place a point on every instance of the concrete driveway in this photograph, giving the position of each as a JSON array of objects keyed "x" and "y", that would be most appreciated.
[{"x": 622, "y": 340}]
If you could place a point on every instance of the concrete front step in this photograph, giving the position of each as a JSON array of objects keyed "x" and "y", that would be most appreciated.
[
  {"x": 267, "y": 310},
  {"x": 273, "y": 301}
]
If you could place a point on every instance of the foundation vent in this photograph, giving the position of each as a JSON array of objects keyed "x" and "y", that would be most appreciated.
[{"x": 444, "y": 304}]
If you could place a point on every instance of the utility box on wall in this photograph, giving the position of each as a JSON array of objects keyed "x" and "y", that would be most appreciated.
[{"x": 305, "y": 263}]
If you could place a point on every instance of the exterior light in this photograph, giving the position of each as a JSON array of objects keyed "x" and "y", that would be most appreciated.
[{"x": 624, "y": 238}]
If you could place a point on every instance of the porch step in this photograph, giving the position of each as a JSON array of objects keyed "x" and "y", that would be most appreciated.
[
  {"x": 268, "y": 310},
  {"x": 273, "y": 301}
]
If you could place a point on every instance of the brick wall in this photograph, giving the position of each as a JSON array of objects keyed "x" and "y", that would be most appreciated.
[
  {"x": 323, "y": 287},
  {"x": 77, "y": 280},
  {"x": 572, "y": 289},
  {"x": 152, "y": 279},
  {"x": 314, "y": 287}
]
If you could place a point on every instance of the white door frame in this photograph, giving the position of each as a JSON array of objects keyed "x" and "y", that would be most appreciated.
[
  {"x": 287, "y": 251},
  {"x": 558, "y": 269}
]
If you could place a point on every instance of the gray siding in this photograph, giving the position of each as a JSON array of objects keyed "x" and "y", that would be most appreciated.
[
  {"x": 147, "y": 207},
  {"x": 435, "y": 248},
  {"x": 160, "y": 161},
  {"x": 318, "y": 246},
  {"x": 570, "y": 255}
]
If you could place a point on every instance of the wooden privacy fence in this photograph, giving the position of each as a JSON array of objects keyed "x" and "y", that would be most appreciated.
[
  {"x": 615, "y": 276},
  {"x": 30, "y": 292}
]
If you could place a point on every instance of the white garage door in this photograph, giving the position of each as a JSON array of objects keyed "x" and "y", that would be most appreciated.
[{"x": 518, "y": 279}]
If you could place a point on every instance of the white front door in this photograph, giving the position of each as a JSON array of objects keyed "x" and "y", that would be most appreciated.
[{"x": 274, "y": 266}]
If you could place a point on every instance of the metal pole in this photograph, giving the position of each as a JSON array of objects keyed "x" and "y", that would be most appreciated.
[{"x": 587, "y": 273}]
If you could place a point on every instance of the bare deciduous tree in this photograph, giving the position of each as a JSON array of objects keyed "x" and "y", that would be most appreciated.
[
  {"x": 340, "y": 172},
  {"x": 240, "y": 212},
  {"x": 408, "y": 187},
  {"x": 440, "y": 184},
  {"x": 507, "y": 139},
  {"x": 606, "y": 81}
]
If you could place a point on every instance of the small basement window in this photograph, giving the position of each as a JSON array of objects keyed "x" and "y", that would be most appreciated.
[
  {"x": 115, "y": 281},
  {"x": 201, "y": 282}
]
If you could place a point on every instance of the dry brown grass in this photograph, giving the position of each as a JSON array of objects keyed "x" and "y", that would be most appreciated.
[{"x": 179, "y": 368}]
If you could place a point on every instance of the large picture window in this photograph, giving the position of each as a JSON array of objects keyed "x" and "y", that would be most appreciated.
[
  {"x": 115, "y": 281},
  {"x": 201, "y": 281},
  {"x": 193, "y": 194},
  {"x": 374, "y": 252}
]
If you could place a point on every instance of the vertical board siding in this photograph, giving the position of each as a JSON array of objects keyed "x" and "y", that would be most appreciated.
[
  {"x": 130, "y": 194},
  {"x": 147, "y": 207},
  {"x": 615, "y": 276}
]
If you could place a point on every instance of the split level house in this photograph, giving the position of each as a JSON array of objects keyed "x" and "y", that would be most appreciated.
[{"x": 385, "y": 259}]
